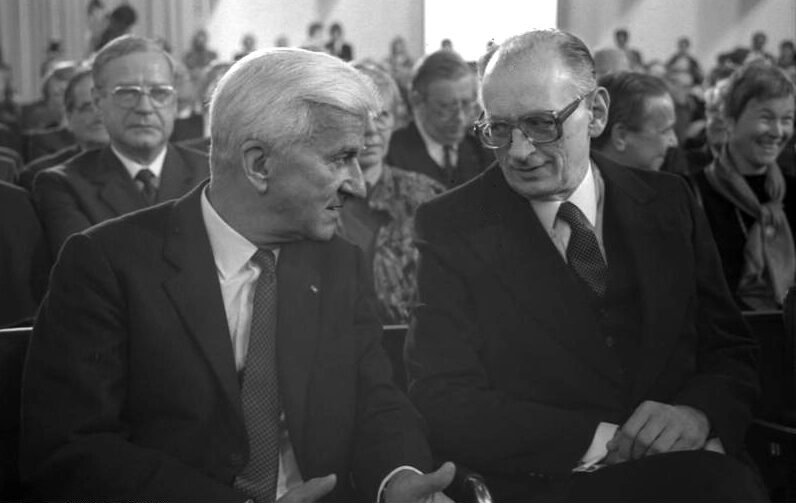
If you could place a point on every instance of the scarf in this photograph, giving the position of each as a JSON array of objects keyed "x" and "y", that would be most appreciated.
[{"x": 769, "y": 257}]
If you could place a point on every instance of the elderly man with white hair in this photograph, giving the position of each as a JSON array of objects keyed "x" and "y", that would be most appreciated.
[{"x": 225, "y": 346}]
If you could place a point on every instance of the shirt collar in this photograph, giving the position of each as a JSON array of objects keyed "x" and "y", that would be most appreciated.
[
  {"x": 434, "y": 148},
  {"x": 231, "y": 250},
  {"x": 132, "y": 167},
  {"x": 584, "y": 197}
]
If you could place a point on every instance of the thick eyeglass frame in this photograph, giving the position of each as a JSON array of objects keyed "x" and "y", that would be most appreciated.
[
  {"x": 126, "y": 101},
  {"x": 559, "y": 117}
]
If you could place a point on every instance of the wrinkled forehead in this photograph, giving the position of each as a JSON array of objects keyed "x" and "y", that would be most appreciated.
[{"x": 534, "y": 83}]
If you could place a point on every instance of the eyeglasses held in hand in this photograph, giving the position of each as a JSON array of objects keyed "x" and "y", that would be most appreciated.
[
  {"x": 538, "y": 127},
  {"x": 130, "y": 96}
]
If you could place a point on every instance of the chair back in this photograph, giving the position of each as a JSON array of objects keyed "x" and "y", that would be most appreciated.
[{"x": 13, "y": 346}]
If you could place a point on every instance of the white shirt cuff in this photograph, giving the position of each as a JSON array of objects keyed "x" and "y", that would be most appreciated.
[
  {"x": 597, "y": 450},
  {"x": 389, "y": 477}
]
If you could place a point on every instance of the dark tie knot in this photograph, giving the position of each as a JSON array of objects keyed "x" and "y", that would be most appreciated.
[
  {"x": 264, "y": 258},
  {"x": 571, "y": 214},
  {"x": 145, "y": 176}
]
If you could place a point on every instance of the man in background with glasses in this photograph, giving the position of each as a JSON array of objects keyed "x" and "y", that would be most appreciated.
[
  {"x": 134, "y": 92},
  {"x": 574, "y": 337},
  {"x": 436, "y": 143}
]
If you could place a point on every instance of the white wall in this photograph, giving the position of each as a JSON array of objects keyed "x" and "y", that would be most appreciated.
[
  {"x": 369, "y": 25},
  {"x": 714, "y": 26}
]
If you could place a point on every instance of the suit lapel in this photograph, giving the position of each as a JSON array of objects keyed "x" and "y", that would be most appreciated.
[
  {"x": 116, "y": 188},
  {"x": 194, "y": 289},
  {"x": 300, "y": 291},
  {"x": 176, "y": 178},
  {"x": 654, "y": 241}
]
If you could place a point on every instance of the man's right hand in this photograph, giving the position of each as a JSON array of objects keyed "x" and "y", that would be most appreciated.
[{"x": 310, "y": 491}]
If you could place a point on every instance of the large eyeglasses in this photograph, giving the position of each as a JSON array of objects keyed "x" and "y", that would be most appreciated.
[
  {"x": 130, "y": 96},
  {"x": 538, "y": 127}
]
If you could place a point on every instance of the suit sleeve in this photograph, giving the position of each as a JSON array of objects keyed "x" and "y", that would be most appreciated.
[
  {"x": 58, "y": 208},
  {"x": 471, "y": 421},
  {"x": 389, "y": 431},
  {"x": 76, "y": 443},
  {"x": 726, "y": 383}
]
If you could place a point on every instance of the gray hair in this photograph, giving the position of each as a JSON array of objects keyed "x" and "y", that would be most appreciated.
[
  {"x": 570, "y": 49},
  {"x": 122, "y": 46},
  {"x": 385, "y": 85},
  {"x": 272, "y": 94}
]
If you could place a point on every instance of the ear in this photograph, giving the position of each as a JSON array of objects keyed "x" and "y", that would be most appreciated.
[
  {"x": 415, "y": 98},
  {"x": 256, "y": 168},
  {"x": 598, "y": 112},
  {"x": 619, "y": 136}
]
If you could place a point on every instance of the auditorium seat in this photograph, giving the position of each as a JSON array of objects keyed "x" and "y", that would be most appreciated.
[
  {"x": 467, "y": 485},
  {"x": 13, "y": 345},
  {"x": 771, "y": 438}
]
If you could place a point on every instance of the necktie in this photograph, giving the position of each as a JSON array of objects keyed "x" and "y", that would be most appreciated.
[
  {"x": 583, "y": 251},
  {"x": 260, "y": 392},
  {"x": 447, "y": 163},
  {"x": 146, "y": 180}
]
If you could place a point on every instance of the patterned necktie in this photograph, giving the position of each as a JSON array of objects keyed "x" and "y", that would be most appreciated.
[
  {"x": 583, "y": 251},
  {"x": 146, "y": 179},
  {"x": 260, "y": 391},
  {"x": 447, "y": 163}
]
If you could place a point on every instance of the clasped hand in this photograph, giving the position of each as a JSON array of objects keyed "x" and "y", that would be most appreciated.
[{"x": 655, "y": 428}]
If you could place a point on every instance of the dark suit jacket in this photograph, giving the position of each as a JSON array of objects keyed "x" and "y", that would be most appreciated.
[
  {"x": 39, "y": 143},
  {"x": 408, "y": 151},
  {"x": 29, "y": 172},
  {"x": 346, "y": 53},
  {"x": 130, "y": 390},
  {"x": 95, "y": 186},
  {"x": 24, "y": 258},
  {"x": 502, "y": 362}
]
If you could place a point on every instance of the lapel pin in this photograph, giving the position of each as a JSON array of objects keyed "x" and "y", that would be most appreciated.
[{"x": 314, "y": 289}]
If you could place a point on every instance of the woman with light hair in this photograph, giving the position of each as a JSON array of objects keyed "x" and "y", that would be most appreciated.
[{"x": 382, "y": 224}]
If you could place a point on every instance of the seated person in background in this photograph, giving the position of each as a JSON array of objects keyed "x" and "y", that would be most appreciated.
[
  {"x": 213, "y": 75},
  {"x": 574, "y": 339},
  {"x": 337, "y": 46},
  {"x": 640, "y": 126},
  {"x": 225, "y": 346},
  {"x": 188, "y": 122},
  {"x": 743, "y": 190},
  {"x": 382, "y": 224},
  {"x": 24, "y": 258},
  {"x": 708, "y": 145},
  {"x": 43, "y": 123},
  {"x": 436, "y": 143},
  {"x": 610, "y": 60},
  {"x": 83, "y": 121},
  {"x": 134, "y": 92}
]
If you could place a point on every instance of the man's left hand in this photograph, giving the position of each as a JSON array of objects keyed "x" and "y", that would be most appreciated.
[
  {"x": 409, "y": 486},
  {"x": 658, "y": 428}
]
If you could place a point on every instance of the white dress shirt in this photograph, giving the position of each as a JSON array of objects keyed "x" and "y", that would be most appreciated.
[
  {"x": 132, "y": 167},
  {"x": 435, "y": 149}
]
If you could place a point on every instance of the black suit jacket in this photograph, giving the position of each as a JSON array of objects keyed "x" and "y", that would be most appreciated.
[
  {"x": 29, "y": 172},
  {"x": 24, "y": 258},
  {"x": 502, "y": 361},
  {"x": 95, "y": 186},
  {"x": 408, "y": 151},
  {"x": 130, "y": 390}
]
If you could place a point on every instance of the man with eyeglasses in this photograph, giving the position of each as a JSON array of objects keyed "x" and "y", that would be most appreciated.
[
  {"x": 134, "y": 92},
  {"x": 437, "y": 142},
  {"x": 574, "y": 339}
]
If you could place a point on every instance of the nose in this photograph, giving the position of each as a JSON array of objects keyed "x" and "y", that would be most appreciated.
[
  {"x": 521, "y": 146},
  {"x": 144, "y": 103},
  {"x": 354, "y": 184},
  {"x": 777, "y": 128}
]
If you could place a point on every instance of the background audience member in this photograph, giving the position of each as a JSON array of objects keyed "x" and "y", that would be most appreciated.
[
  {"x": 97, "y": 22},
  {"x": 54, "y": 54},
  {"x": 610, "y": 60},
  {"x": 199, "y": 57},
  {"x": 436, "y": 143},
  {"x": 189, "y": 120},
  {"x": 743, "y": 190},
  {"x": 213, "y": 75},
  {"x": 134, "y": 92},
  {"x": 787, "y": 58},
  {"x": 248, "y": 43},
  {"x": 621, "y": 39},
  {"x": 24, "y": 258},
  {"x": 573, "y": 339},
  {"x": 684, "y": 61},
  {"x": 337, "y": 46},
  {"x": 382, "y": 223},
  {"x": 83, "y": 121},
  {"x": 48, "y": 112},
  {"x": 640, "y": 127},
  {"x": 120, "y": 22},
  {"x": 314, "y": 40},
  {"x": 758, "y": 49}
]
